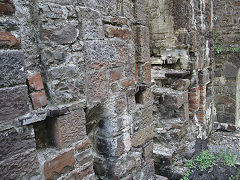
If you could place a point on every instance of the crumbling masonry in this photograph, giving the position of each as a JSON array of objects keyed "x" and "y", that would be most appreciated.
[{"x": 113, "y": 89}]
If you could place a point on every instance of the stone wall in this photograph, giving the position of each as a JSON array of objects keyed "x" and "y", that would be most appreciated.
[
  {"x": 182, "y": 72},
  {"x": 226, "y": 80},
  {"x": 75, "y": 90},
  {"x": 113, "y": 89}
]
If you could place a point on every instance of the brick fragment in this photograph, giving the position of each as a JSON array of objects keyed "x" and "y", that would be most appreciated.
[
  {"x": 35, "y": 81},
  {"x": 7, "y": 40},
  {"x": 7, "y": 7},
  {"x": 39, "y": 99},
  {"x": 114, "y": 31}
]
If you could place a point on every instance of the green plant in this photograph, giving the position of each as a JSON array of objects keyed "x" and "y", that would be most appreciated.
[
  {"x": 203, "y": 161},
  {"x": 206, "y": 160},
  {"x": 218, "y": 48},
  {"x": 228, "y": 158},
  {"x": 232, "y": 177}
]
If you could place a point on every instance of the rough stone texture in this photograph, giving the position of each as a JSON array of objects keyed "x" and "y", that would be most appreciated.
[
  {"x": 142, "y": 136},
  {"x": 18, "y": 151},
  {"x": 181, "y": 57},
  {"x": 55, "y": 167},
  {"x": 7, "y": 7},
  {"x": 12, "y": 68},
  {"x": 90, "y": 65},
  {"x": 68, "y": 129},
  {"x": 7, "y": 40},
  {"x": 13, "y": 103},
  {"x": 226, "y": 28}
]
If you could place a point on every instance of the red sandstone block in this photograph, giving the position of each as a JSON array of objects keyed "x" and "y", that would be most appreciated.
[
  {"x": 55, "y": 166},
  {"x": 119, "y": 20},
  {"x": 114, "y": 31},
  {"x": 97, "y": 83},
  {"x": 39, "y": 99},
  {"x": 68, "y": 129},
  {"x": 146, "y": 73},
  {"x": 7, "y": 40},
  {"x": 127, "y": 83},
  {"x": 115, "y": 75},
  {"x": 7, "y": 7},
  {"x": 35, "y": 81},
  {"x": 136, "y": 72},
  {"x": 147, "y": 152}
]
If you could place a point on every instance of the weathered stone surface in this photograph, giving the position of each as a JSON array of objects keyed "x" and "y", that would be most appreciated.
[
  {"x": 160, "y": 178},
  {"x": 142, "y": 117},
  {"x": 68, "y": 129},
  {"x": 13, "y": 142},
  {"x": 140, "y": 10},
  {"x": 68, "y": 34},
  {"x": 230, "y": 71},
  {"x": 21, "y": 166},
  {"x": 54, "y": 11},
  {"x": 148, "y": 152},
  {"x": 147, "y": 171},
  {"x": 65, "y": 84},
  {"x": 97, "y": 86},
  {"x": 102, "y": 54},
  {"x": 115, "y": 146},
  {"x": 82, "y": 174},
  {"x": 162, "y": 155},
  {"x": 13, "y": 103},
  {"x": 111, "y": 127},
  {"x": 54, "y": 56},
  {"x": 144, "y": 97},
  {"x": 91, "y": 23},
  {"x": 12, "y": 68},
  {"x": 141, "y": 37},
  {"x": 55, "y": 167},
  {"x": 142, "y": 136},
  {"x": 171, "y": 98},
  {"x": 181, "y": 85},
  {"x": 114, "y": 31},
  {"x": 124, "y": 164}
]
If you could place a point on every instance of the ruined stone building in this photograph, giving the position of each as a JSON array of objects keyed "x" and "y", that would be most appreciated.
[{"x": 114, "y": 89}]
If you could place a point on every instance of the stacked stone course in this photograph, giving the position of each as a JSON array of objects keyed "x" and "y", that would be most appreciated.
[
  {"x": 112, "y": 89},
  {"x": 75, "y": 90},
  {"x": 182, "y": 64}
]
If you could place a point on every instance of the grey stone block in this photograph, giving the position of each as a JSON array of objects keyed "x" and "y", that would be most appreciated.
[
  {"x": 12, "y": 68},
  {"x": 13, "y": 103}
]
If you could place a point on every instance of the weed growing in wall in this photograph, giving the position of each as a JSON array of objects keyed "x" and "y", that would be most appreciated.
[{"x": 218, "y": 48}]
